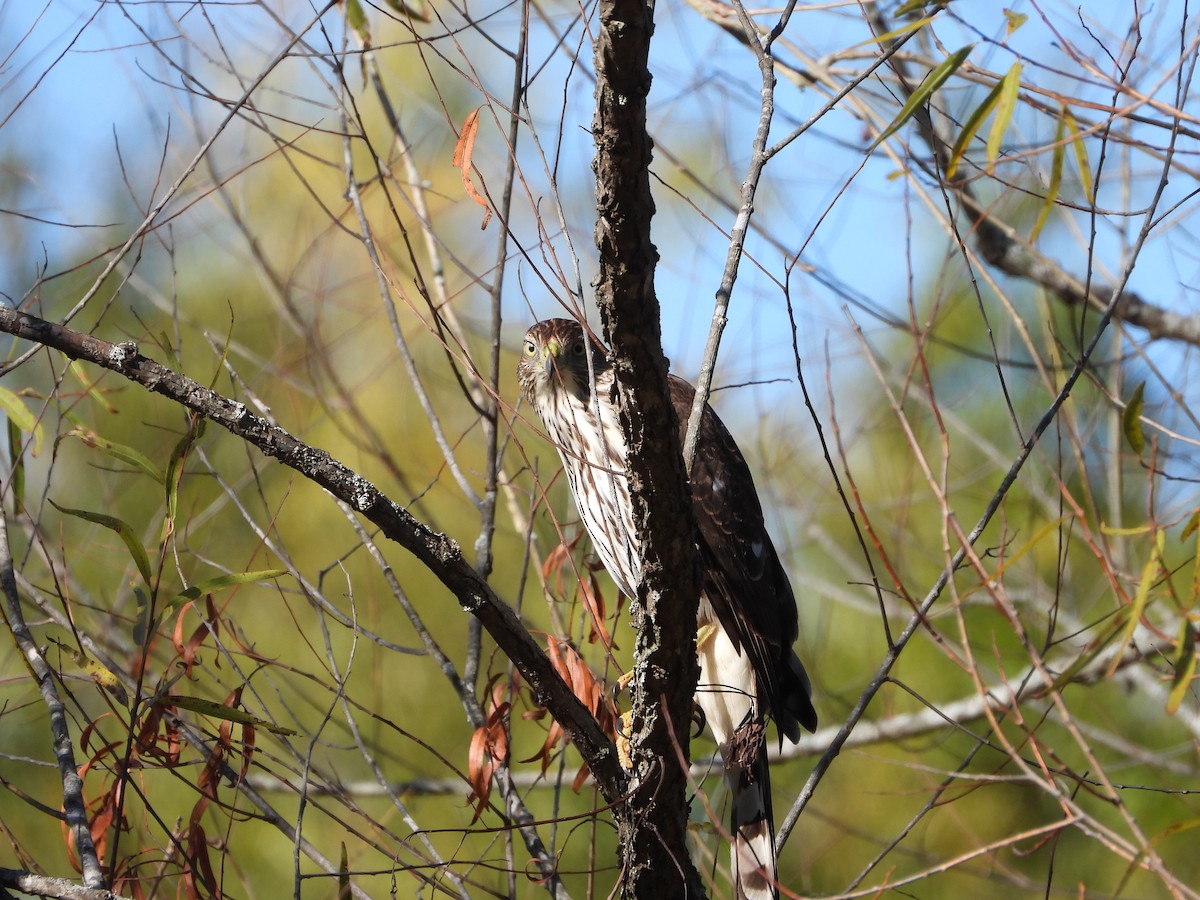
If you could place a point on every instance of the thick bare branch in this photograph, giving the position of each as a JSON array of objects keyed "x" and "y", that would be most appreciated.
[
  {"x": 653, "y": 824},
  {"x": 58, "y": 888},
  {"x": 436, "y": 551}
]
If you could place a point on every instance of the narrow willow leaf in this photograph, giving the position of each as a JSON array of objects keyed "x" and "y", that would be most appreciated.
[
  {"x": 1120, "y": 531},
  {"x": 344, "y": 875},
  {"x": 1190, "y": 526},
  {"x": 143, "y": 624},
  {"x": 1093, "y": 649},
  {"x": 970, "y": 128},
  {"x": 224, "y": 581},
  {"x": 910, "y": 6},
  {"x": 1185, "y": 668},
  {"x": 357, "y": 20},
  {"x": 934, "y": 80},
  {"x": 89, "y": 384},
  {"x": 1131, "y": 419},
  {"x": 18, "y": 413},
  {"x": 1011, "y": 558},
  {"x": 17, "y": 479},
  {"x": 1140, "y": 599},
  {"x": 1015, "y": 20},
  {"x": 418, "y": 9},
  {"x": 1056, "y": 170},
  {"x": 116, "y": 451},
  {"x": 123, "y": 530},
  {"x": 1010, "y": 87},
  {"x": 174, "y": 471},
  {"x": 1081, "y": 156},
  {"x": 105, "y": 678},
  {"x": 904, "y": 29},
  {"x": 227, "y": 713}
]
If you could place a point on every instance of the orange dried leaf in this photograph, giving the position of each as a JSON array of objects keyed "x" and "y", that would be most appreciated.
[
  {"x": 462, "y": 159},
  {"x": 593, "y": 601}
]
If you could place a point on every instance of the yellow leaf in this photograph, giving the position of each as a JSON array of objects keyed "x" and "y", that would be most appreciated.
[
  {"x": 89, "y": 385},
  {"x": 1056, "y": 168},
  {"x": 1010, "y": 87},
  {"x": 1081, "y": 157},
  {"x": 1014, "y": 20},
  {"x": 1140, "y": 599},
  {"x": 19, "y": 415}
]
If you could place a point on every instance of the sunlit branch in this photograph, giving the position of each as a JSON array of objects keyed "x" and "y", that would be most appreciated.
[
  {"x": 74, "y": 810},
  {"x": 437, "y": 552}
]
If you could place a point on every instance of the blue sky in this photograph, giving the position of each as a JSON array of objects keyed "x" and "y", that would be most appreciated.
[{"x": 79, "y": 80}]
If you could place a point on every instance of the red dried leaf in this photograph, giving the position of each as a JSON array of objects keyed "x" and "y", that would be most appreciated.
[
  {"x": 249, "y": 735},
  {"x": 593, "y": 602},
  {"x": 489, "y": 747},
  {"x": 199, "y": 865},
  {"x": 576, "y": 673}
]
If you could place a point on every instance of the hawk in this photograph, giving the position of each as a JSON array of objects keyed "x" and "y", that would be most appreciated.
[{"x": 747, "y": 620}]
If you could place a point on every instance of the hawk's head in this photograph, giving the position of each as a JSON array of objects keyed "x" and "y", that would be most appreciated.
[{"x": 554, "y": 358}]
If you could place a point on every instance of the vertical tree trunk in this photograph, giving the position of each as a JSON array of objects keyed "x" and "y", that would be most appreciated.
[{"x": 653, "y": 822}]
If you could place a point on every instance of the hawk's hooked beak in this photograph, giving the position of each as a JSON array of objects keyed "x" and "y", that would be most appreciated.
[{"x": 550, "y": 360}]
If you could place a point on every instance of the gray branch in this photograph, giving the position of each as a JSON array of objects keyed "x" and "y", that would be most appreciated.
[{"x": 73, "y": 805}]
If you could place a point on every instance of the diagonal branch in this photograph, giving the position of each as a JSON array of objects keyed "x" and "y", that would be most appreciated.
[{"x": 437, "y": 552}]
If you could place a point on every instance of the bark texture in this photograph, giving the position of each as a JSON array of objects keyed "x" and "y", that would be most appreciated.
[{"x": 653, "y": 822}]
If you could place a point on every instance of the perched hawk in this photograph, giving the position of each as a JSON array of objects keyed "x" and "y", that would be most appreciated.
[{"x": 747, "y": 621}]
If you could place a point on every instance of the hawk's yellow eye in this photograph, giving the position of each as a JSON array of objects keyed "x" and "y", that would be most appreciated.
[{"x": 530, "y": 347}]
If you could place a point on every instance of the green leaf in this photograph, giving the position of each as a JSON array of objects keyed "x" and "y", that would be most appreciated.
[
  {"x": 1056, "y": 170},
  {"x": 143, "y": 624},
  {"x": 1131, "y": 419},
  {"x": 19, "y": 414},
  {"x": 418, "y": 9},
  {"x": 357, "y": 20},
  {"x": 1185, "y": 668},
  {"x": 970, "y": 128},
  {"x": 910, "y": 6},
  {"x": 123, "y": 530},
  {"x": 1010, "y": 86},
  {"x": 174, "y": 471},
  {"x": 17, "y": 480},
  {"x": 934, "y": 80},
  {"x": 344, "y": 892},
  {"x": 117, "y": 451},
  {"x": 224, "y": 581},
  {"x": 221, "y": 711}
]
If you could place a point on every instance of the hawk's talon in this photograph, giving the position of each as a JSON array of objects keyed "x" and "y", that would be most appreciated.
[{"x": 624, "y": 725}]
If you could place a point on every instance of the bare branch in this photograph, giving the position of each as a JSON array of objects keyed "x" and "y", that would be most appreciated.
[
  {"x": 436, "y": 551},
  {"x": 72, "y": 785},
  {"x": 665, "y": 668}
]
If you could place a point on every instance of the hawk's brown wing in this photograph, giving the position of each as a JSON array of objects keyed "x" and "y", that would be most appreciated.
[{"x": 743, "y": 576}]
